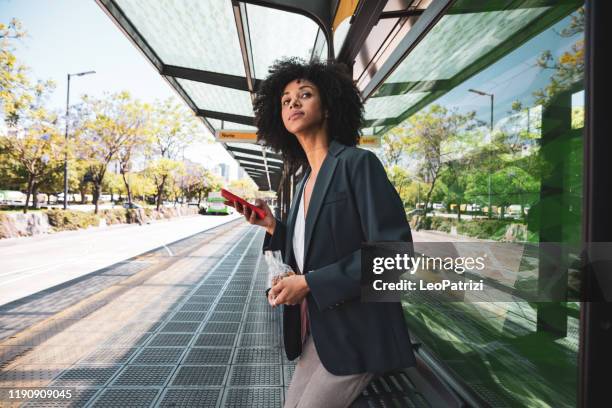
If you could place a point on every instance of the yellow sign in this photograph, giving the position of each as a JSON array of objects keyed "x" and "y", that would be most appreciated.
[
  {"x": 236, "y": 136},
  {"x": 369, "y": 141}
]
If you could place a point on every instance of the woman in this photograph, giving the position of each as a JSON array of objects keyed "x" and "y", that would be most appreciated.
[{"x": 312, "y": 113}]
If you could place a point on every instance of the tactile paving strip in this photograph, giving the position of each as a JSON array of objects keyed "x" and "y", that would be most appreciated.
[
  {"x": 159, "y": 356},
  {"x": 232, "y": 299},
  {"x": 83, "y": 376},
  {"x": 195, "y": 307},
  {"x": 258, "y": 307},
  {"x": 257, "y": 356},
  {"x": 259, "y": 340},
  {"x": 221, "y": 327},
  {"x": 109, "y": 355},
  {"x": 127, "y": 339},
  {"x": 225, "y": 317},
  {"x": 215, "y": 340},
  {"x": 288, "y": 371},
  {"x": 180, "y": 327},
  {"x": 202, "y": 299},
  {"x": 262, "y": 317},
  {"x": 253, "y": 397},
  {"x": 188, "y": 317},
  {"x": 190, "y": 398},
  {"x": 208, "y": 355},
  {"x": 126, "y": 398},
  {"x": 199, "y": 376},
  {"x": 170, "y": 340},
  {"x": 229, "y": 307},
  {"x": 260, "y": 327},
  {"x": 146, "y": 376},
  {"x": 255, "y": 375}
]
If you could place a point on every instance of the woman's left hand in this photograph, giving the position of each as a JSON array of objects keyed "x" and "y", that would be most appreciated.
[{"x": 290, "y": 290}]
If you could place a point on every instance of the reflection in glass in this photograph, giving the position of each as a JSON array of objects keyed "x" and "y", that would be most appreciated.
[{"x": 515, "y": 178}]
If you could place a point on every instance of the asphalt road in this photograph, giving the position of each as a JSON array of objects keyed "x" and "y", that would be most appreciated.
[{"x": 31, "y": 264}]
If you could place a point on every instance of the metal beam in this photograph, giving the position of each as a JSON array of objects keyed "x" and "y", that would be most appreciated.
[
  {"x": 228, "y": 117},
  {"x": 469, "y": 7},
  {"x": 320, "y": 11},
  {"x": 242, "y": 160},
  {"x": 208, "y": 77},
  {"x": 409, "y": 12},
  {"x": 244, "y": 39},
  {"x": 399, "y": 88},
  {"x": 428, "y": 19},
  {"x": 366, "y": 16},
  {"x": 595, "y": 353},
  {"x": 407, "y": 44},
  {"x": 248, "y": 151}
]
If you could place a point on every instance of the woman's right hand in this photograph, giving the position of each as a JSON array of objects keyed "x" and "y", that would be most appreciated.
[{"x": 268, "y": 222}]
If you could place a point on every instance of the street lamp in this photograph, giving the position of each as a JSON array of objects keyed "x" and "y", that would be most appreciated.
[
  {"x": 66, "y": 136},
  {"x": 481, "y": 93}
]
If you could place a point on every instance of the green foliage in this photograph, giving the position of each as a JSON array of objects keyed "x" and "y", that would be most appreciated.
[
  {"x": 13, "y": 74},
  {"x": 442, "y": 224},
  {"x": 115, "y": 216},
  {"x": 484, "y": 229},
  {"x": 71, "y": 220}
]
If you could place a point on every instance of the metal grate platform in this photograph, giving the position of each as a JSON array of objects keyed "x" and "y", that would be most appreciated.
[{"x": 208, "y": 341}]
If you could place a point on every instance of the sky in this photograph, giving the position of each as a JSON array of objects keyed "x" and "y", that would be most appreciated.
[{"x": 71, "y": 36}]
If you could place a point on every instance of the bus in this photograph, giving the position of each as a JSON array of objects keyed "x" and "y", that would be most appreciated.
[{"x": 216, "y": 204}]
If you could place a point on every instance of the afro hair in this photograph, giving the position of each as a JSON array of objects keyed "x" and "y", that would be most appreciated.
[{"x": 339, "y": 96}]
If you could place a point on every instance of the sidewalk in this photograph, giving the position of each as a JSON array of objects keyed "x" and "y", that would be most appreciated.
[{"x": 32, "y": 264}]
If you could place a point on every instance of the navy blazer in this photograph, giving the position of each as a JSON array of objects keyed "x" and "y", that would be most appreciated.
[{"x": 352, "y": 202}]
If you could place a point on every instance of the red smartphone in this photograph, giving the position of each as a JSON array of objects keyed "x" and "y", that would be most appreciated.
[{"x": 261, "y": 214}]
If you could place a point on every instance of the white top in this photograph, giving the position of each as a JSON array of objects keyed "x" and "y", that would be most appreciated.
[{"x": 299, "y": 232}]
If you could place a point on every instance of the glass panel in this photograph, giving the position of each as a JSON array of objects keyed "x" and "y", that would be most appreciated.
[
  {"x": 495, "y": 153},
  {"x": 182, "y": 32},
  {"x": 340, "y": 34},
  {"x": 276, "y": 34},
  {"x": 218, "y": 98},
  {"x": 426, "y": 73},
  {"x": 234, "y": 126},
  {"x": 248, "y": 146},
  {"x": 480, "y": 33},
  {"x": 390, "y": 106}
]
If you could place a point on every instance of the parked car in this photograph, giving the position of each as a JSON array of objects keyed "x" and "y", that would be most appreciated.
[
  {"x": 132, "y": 206},
  {"x": 12, "y": 197}
]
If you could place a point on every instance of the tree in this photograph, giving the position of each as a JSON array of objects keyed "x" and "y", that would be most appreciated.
[
  {"x": 173, "y": 128},
  {"x": 401, "y": 180},
  {"x": 113, "y": 183},
  {"x": 34, "y": 154},
  {"x": 394, "y": 146},
  {"x": 137, "y": 142},
  {"x": 455, "y": 179},
  {"x": 111, "y": 124},
  {"x": 431, "y": 132},
  {"x": 162, "y": 170},
  {"x": 15, "y": 86},
  {"x": 568, "y": 69},
  {"x": 36, "y": 145},
  {"x": 198, "y": 182},
  {"x": 244, "y": 188}
]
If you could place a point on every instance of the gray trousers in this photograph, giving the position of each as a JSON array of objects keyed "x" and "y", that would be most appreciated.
[{"x": 312, "y": 386}]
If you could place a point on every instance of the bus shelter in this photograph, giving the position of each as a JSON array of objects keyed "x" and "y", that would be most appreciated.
[{"x": 526, "y": 71}]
